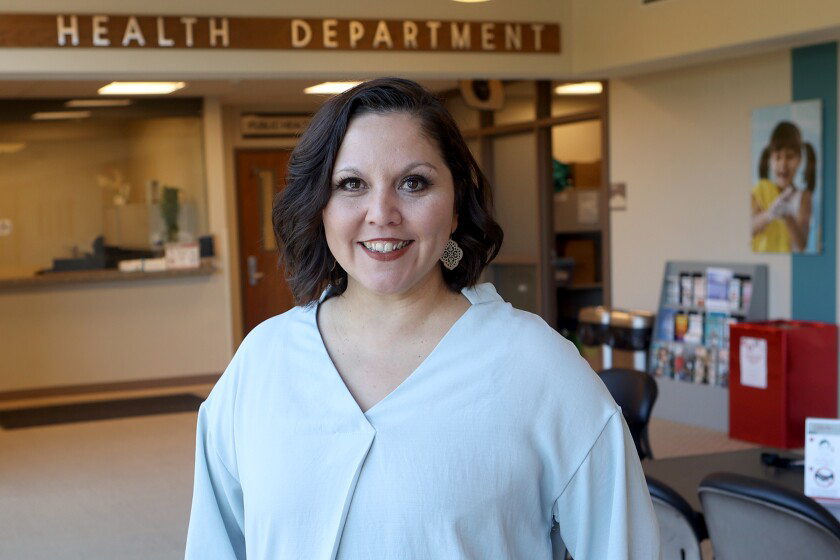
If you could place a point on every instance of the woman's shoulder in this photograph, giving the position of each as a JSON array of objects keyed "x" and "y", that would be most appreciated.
[
  {"x": 526, "y": 340},
  {"x": 495, "y": 314},
  {"x": 263, "y": 344}
]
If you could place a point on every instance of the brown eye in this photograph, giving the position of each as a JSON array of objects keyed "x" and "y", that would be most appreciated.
[
  {"x": 350, "y": 184},
  {"x": 415, "y": 183}
]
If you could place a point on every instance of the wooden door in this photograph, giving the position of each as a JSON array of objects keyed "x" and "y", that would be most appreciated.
[{"x": 260, "y": 174}]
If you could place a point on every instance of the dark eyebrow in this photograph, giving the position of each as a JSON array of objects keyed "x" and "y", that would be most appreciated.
[
  {"x": 416, "y": 164},
  {"x": 348, "y": 170},
  {"x": 406, "y": 169}
]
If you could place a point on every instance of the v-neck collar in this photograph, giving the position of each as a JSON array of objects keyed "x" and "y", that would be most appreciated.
[{"x": 482, "y": 293}]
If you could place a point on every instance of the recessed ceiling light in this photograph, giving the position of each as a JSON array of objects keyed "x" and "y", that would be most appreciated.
[
  {"x": 140, "y": 88},
  {"x": 582, "y": 88},
  {"x": 11, "y": 147},
  {"x": 471, "y": 1},
  {"x": 98, "y": 103},
  {"x": 331, "y": 88},
  {"x": 59, "y": 115}
]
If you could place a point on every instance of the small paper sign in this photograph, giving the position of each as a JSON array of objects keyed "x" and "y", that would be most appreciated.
[
  {"x": 587, "y": 207},
  {"x": 182, "y": 255},
  {"x": 753, "y": 354},
  {"x": 822, "y": 458}
]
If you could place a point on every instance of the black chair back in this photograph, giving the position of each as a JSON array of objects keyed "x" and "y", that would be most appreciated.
[
  {"x": 751, "y": 518},
  {"x": 635, "y": 392},
  {"x": 681, "y": 529}
]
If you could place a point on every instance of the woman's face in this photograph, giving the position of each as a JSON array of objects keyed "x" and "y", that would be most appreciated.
[
  {"x": 392, "y": 207},
  {"x": 784, "y": 164}
]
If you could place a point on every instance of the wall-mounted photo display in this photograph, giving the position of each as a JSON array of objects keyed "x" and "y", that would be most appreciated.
[{"x": 786, "y": 195}]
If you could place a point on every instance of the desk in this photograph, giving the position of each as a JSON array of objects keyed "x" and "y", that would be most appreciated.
[{"x": 684, "y": 474}]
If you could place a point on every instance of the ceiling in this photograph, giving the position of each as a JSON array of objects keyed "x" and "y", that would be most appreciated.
[{"x": 287, "y": 93}]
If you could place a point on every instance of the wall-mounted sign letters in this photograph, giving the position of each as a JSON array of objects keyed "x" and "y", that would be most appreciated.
[
  {"x": 257, "y": 125},
  {"x": 203, "y": 32}
]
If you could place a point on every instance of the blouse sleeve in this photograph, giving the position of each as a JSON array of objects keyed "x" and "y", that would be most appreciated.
[
  {"x": 605, "y": 510},
  {"x": 216, "y": 527}
]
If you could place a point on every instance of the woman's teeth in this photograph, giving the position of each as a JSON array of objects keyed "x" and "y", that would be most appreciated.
[{"x": 384, "y": 246}]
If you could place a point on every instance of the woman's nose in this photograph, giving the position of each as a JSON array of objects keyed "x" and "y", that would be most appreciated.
[{"x": 383, "y": 207}]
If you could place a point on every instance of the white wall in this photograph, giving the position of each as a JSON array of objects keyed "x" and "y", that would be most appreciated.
[{"x": 681, "y": 142}]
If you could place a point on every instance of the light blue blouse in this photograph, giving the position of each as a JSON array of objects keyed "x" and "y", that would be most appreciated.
[{"x": 502, "y": 431}]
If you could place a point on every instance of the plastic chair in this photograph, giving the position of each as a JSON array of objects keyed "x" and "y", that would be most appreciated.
[
  {"x": 751, "y": 518},
  {"x": 681, "y": 529},
  {"x": 635, "y": 392}
]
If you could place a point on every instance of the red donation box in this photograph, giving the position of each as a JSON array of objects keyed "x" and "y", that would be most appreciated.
[{"x": 780, "y": 372}]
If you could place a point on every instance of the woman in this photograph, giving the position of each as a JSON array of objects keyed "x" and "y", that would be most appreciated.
[
  {"x": 781, "y": 213},
  {"x": 402, "y": 411}
]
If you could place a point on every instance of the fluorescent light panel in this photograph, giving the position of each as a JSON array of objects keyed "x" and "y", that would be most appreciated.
[
  {"x": 471, "y": 1},
  {"x": 98, "y": 103},
  {"x": 59, "y": 115},
  {"x": 331, "y": 88},
  {"x": 140, "y": 88},
  {"x": 582, "y": 88}
]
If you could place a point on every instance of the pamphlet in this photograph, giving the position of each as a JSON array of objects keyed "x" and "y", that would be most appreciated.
[
  {"x": 694, "y": 334},
  {"x": 680, "y": 326},
  {"x": 822, "y": 459},
  {"x": 666, "y": 324},
  {"x": 716, "y": 328},
  {"x": 717, "y": 289}
]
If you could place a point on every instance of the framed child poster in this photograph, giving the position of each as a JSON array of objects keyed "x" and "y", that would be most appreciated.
[{"x": 786, "y": 195}]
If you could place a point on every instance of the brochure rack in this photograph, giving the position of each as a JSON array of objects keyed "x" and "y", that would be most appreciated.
[{"x": 689, "y": 355}]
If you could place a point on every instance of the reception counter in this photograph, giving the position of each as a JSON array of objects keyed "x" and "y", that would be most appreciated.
[{"x": 206, "y": 268}]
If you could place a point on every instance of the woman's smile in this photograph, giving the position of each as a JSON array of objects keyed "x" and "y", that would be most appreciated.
[{"x": 385, "y": 249}]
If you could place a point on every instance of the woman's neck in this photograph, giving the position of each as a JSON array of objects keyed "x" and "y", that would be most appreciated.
[{"x": 395, "y": 313}]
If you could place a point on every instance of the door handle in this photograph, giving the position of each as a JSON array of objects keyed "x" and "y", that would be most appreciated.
[{"x": 254, "y": 276}]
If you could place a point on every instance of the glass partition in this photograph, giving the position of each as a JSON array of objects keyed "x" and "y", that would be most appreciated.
[{"x": 65, "y": 183}]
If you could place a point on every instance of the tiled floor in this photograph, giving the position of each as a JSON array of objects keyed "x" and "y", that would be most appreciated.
[{"x": 121, "y": 489}]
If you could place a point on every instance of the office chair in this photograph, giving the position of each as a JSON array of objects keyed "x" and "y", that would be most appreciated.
[
  {"x": 680, "y": 528},
  {"x": 635, "y": 392},
  {"x": 752, "y": 518}
]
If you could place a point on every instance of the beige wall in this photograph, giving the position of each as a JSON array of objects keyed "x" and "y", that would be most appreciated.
[
  {"x": 620, "y": 37},
  {"x": 681, "y": 142}
]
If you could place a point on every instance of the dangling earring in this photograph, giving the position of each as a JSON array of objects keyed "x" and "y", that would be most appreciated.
[{"x": 452, "y": 255}]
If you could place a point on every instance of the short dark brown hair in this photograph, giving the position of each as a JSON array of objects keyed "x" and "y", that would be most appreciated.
[{"x": 298, "y": 210}]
